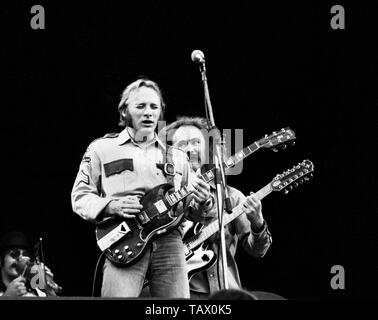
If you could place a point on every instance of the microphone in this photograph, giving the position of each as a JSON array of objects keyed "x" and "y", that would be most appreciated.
[{"x": 198, "y": 57}]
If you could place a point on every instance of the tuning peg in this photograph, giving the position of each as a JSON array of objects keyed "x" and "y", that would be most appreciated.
[
  {"x": 274, "y": 133},
  {"x": 306, "y": 178},
  {"x": 283, "y": 146},
  {"x": 275, "y": 150},
  {"x": 300, "y": 181},
  {"x": 286, "y": 191},
  {"x": 295, "y": 184},
  {"x": 291, "y": 143},
  {"x": 311, "y": 175}
]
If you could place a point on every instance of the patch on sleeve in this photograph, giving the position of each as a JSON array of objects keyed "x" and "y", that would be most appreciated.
[
  {"x": 83, "y": 178},
  {"x": 87, "y": 155}
]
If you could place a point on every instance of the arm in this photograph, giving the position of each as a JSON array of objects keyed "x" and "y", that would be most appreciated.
[
  {"x": 200, "y": 201},
  {"x": 85, "y": 196},
  {"x": 251, "y": 227}
]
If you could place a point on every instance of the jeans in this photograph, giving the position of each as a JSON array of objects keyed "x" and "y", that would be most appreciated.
[{"x": 165, "y": 263}]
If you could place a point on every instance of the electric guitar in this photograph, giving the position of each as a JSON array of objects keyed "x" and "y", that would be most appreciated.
[
  {"x": 124, "y": 240},
  {"x": 198, "y": 258}
]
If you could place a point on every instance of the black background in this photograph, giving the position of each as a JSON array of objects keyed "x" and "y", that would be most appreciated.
[{"x": 269, "y": 66}]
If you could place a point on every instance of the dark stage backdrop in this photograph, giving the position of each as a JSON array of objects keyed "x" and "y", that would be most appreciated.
[{"x": 268, "y": 65}]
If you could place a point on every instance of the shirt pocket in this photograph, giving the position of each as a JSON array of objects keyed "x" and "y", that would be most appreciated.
[{"x": 119, "y": 175}]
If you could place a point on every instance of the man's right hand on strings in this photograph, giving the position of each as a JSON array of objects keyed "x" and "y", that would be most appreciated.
[{"x": 126, "y": 207}]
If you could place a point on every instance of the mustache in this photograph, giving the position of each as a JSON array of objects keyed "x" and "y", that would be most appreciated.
[{"x": 193, "y": 156}]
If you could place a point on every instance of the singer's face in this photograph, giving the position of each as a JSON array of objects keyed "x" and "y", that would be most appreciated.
[
  {"x": 10, "y": 262},
  {"x": 144, "y": 108},
  {"x": 191, "y": 140}
]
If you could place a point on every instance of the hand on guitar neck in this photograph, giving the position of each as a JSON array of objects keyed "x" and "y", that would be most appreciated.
[{"x": 253, "y": 210}]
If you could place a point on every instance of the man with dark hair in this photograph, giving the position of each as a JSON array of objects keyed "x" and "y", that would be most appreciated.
[
  {"x": 188, "y": 134},
  {"x": 13, "y": 247},
  {"x": 116, "y": 171}
]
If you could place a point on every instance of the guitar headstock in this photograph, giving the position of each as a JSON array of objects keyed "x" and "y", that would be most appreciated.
[
  {"x": 278, "y": 140},
  {"x": 291, "y": 178}
]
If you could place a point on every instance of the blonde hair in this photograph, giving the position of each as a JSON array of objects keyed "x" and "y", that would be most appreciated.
[{"x": 125, "y": 120}]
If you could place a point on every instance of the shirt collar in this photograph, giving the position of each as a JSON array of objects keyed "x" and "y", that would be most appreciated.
[{"x": 124, "y": 137}]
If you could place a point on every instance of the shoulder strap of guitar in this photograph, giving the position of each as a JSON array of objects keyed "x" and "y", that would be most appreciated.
[{"x": 167, "y": 166}]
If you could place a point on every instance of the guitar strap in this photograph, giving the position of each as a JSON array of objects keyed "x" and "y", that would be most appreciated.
[
  {"x": 169, "y": 170},
  {"x": 167, "y": 166}
]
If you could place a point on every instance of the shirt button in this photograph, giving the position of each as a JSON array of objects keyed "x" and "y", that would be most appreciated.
[{"x": 211, "y": 275}]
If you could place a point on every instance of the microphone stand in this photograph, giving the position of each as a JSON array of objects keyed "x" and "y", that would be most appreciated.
[{"x": 220, "y": 178}]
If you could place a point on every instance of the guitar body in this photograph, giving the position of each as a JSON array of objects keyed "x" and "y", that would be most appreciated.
[
  {"x": 125, "y": 240},
  {"x": 200, "y": 260}
]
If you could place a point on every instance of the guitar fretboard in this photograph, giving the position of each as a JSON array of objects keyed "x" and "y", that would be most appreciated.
[
  {"x": 183, "y": 192},
  {"x": 213, "y": 227}
]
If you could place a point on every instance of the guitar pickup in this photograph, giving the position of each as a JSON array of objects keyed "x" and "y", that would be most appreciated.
[
  {"x": 113, "y": 236},
  {"x": 143, "y": 217}
]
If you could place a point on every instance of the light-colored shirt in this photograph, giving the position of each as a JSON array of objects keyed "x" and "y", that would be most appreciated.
[{"x": 115, "y": 166}]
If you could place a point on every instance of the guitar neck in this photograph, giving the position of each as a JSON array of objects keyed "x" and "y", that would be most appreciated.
[
  {"x": 208, "y": 176},
  {"x": 213, "y": 227}
]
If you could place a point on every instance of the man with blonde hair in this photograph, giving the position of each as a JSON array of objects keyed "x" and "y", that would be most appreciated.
[{"x": 116, "y": 172}]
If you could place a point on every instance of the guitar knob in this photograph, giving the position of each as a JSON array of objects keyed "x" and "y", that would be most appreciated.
[
  {"x": 120, "y": 256},
  {"x": 139, "y": 244},
  {"x": 130, "y": 253},
  {"x": 116, "y": 251},
  {"x": 126, "y": 248},
  {"x": 205, "y": 257}
]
